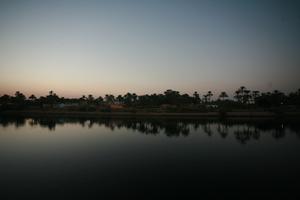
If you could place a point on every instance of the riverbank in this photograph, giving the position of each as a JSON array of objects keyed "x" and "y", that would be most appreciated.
[{"x": 244, "y": 114}]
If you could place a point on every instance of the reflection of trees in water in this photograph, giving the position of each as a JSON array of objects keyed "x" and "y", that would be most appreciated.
[
  {"x": 243, "y": 131},
  {"x": 279, "y": 132},
  {"x": 170, "y": 128},
  {"x": 195, "y": 126},
  {"x": 81, "y": 121},
  {"x": 44, "y": 123},
  {"x": 19, "y": 122},
  {"x": 207, "y": 129},
  {"x": 176, "y": 129},
  {"x": 16, "y": 122},
  {"x": 32, "y": 122},
  {"x": 256, "y": 134},
  {"x": 147, "y": 128},
  {"x": 50, "y": 124},
  {"x": 222, "y": 130}
]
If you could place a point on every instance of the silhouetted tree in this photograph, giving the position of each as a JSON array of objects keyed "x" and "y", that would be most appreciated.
[
  {"x": 223, "y": 95},
  {"x": 19, "y": 100},
  {"x": 32, "y": 98},
  {"x": 52, "y": 98},
  {"x": 207, "y": 97},
  {"x": 19, "y": 96},
  {"x": 134, "y": 98},
  {"x": 242, "y": 95},
  {"x": 276, "y": 98},
  {"x": 5, "y": 99},
  {"x": 171, "y": 97},
  {"x": 120, "y": 99},
  {"x": 99, "y": 100},
  {"x": 255, "y": 95},
  {"x": 128, "y": 99},
  {"x": 90, "y": 99},
  {"x": 196, "y": 98},
  {"x": 294, "y": 98},
  {"x": 246, "y": 97},
  {"x": 109, "y": 99},
  {"x": 83, "y": 98}
]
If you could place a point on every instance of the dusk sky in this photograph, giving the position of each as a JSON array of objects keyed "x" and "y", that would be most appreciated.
[{"x": 99, "y": 47}]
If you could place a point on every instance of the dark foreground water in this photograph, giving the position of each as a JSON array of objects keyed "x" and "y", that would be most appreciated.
[{"x": 64, "y": 157}]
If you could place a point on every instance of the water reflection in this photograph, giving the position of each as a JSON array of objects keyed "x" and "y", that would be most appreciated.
[
  {"x": 243, "y": 130},
  {"x": 246, "y": 133}
]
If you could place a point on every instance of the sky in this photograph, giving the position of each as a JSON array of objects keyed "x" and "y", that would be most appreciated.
[{"x": 113, "y": 47}]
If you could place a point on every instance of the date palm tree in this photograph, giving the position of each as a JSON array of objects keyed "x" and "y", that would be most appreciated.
[
  {"x": 99, "y": 100},
  {"x": 209, "y": 95},
  {"x": 120, "y": 99},
  {"x": 255, "y": 95},
  {"x": 109, "y": 98},
  {"x": 90, "y": 99},
  {"x": 32, "y": 97},
  {"x": 240, "y": 94},
  {"x": 196, "y": 97},
  {"x": 223, "y": 95},
  {"x": 19, "y": 96}
]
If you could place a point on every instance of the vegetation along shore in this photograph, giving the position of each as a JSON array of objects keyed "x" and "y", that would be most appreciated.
[{"x": 245, "y": 103}]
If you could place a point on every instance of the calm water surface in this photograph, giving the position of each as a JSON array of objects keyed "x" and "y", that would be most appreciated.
[{"x": 148, "y": 157}]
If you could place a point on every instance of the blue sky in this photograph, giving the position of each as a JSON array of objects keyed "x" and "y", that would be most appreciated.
[{"x": 99, "y": 47}]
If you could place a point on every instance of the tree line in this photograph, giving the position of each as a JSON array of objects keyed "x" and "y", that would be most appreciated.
[{"x": 243, "y": 98}]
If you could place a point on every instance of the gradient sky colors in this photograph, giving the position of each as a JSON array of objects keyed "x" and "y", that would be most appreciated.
[{"x": 98, "y": 47}]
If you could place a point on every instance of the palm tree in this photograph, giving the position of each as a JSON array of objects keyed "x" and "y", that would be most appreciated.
[
  {"x": 240, "y": 94},
  {"x": 32, "y": 98},
  {"x": 247, "y": 96},
  {"x": 19, "y": 99},
  {"x": 223, "y": 95},
  {"x": 5, "y": 99},
  {"x": 120, "y": 99},
  {"x": 52, "y": 98},
  {"x": 237, "y": 95},
  {"x": 90, "y": 98},
  {"x": 109, "y": 98},
  {"x": 19, "y": 96},
  {"x": 99, "y": 100},
  {"x": 134, "y": 97},
  {"x": 196, "y": 97},
  {"x": 128, "y": 98},
  {"x": 205, "y": 98},
  {"x": 255, "y": 95},
  {"x": 82, "y": 99},
  {"x": 209, "y": 95}
]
